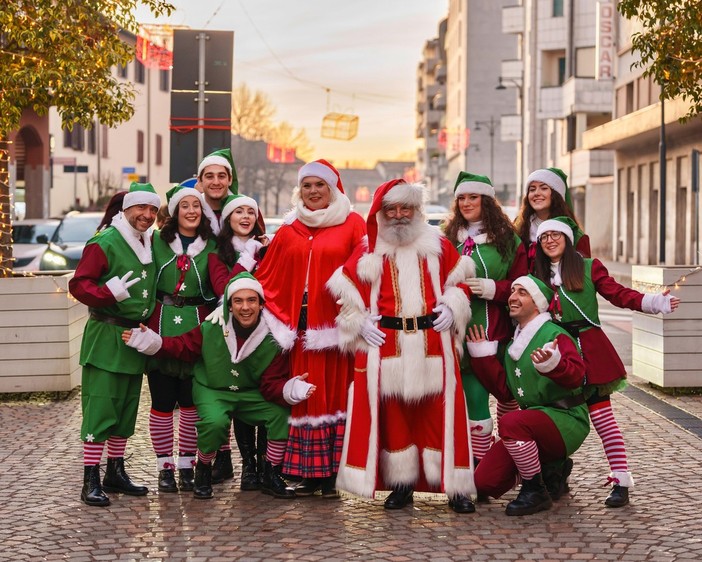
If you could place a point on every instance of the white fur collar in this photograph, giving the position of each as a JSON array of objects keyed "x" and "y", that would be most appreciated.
[
  {"x": 194, "y": 249},
  {"x": 556, "y": 280},
  {"x": 133, "y": 237},
  {"x": 210, "y": 214},
  {"x": 238, "y": 244},
  {"x": 335, "y": 214},
  {"x": 427, "y": 243},
  {"x": 266, "y": 326},
  {"x": 463, "y": 234},
  {"x": 522, "y": 336},
  {"x": 533, "y": 227}
]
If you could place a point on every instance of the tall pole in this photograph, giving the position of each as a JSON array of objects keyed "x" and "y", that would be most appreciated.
[
  {"x": 201, "y": 39},
  {"x": 492, "y": 148},
  {"x": 662, "y": 157}
]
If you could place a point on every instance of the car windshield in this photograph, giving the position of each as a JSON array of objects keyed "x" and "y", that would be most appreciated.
[
  {"x": 77, "y": 229},
  {"x": 28, "y": 233}
]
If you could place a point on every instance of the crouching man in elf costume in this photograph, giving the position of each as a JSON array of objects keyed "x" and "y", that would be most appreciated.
[
  {"x": 404, "y": 312},
  {"x": 242, "y": 371},
  {"x": 544, "y": 372}
]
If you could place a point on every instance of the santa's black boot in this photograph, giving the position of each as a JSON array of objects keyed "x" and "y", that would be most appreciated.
[
  {"x": 273, "y": 483},
  {"x": 245, "y": 435},
  {"x": 117, "y": 480},
  {"x": 92, "y": 493},
  {"x": 202, "y": 489},
  {"x": 400, "y": 496},
  {"x": 533, "y": 497}
]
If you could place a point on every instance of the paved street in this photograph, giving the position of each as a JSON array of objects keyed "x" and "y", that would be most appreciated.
[{"x": 43, "y": 518}]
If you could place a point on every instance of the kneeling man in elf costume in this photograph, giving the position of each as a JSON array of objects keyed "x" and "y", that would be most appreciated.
[
  {"x": 544, "y": 372},
  {"x": 241, "y": 370}
]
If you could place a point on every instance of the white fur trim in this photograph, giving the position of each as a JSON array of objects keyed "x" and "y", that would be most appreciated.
[
  {"x": 558, "y": 226},
  {"x": 194, "y": 249},
  {"x": 132, "y": 238},
  {"x": 161, "y": 463},
  {"x": 548, "y": 177},
  {"x": 411, "y": 194},
  {"x": 250, "y": 344},
  {"x": 241, "y": 201},
  {"x": 247, "y": 261},
  {"x": 319, "y": 170},
  {"x": 523, "y": 336},
  {"x": 187, "y": 461},
  {"x": 476, "y": 187},
  {"x": 182, "y": 194},
  {"x": 213, "y": 160},
  {"x": 244, "y": 283},
  {"x": 626, "y": 480},
  {"x": 481, "y": 427},
  {"x": 482, "y": 349},
  {"x": 552, "y": 362},
  {"x": 353, "y": 314},
  {"x": 431, "y": 461},
  {"x": 117, "y": 288},
  {"x": 283, "y": 334},
  {"x": 210, "y": 214},
  {"x": 325, "y": 337},
  {"x": 316, "y": 421},
  {"x": 400, "y": 467},
  {"x": 412, "y": 375},
  {"x": 141, "y": 198},
  {"x": 534, "y": 290},
  {"x": 370, "y": 267}
]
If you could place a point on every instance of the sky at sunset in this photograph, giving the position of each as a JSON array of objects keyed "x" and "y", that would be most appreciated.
[{"x": 365, "y": 52}]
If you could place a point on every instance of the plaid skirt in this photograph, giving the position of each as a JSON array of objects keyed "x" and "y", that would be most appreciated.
[{"x": 314, "y": 451}]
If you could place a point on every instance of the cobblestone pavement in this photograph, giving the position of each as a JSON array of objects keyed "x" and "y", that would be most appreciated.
[{"x": 44, "y": 519}]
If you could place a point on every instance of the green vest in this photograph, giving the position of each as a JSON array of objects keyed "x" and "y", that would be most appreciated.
[
  {"x": 102, "y": 344},
  {"x": 216, "y": 370},
  {"x": 576, "y": 305},
  {"x": 535, "y": 391}
]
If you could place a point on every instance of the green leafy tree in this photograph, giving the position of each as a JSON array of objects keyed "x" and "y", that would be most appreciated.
[
  {"x": 61, "y": 53},
  {"x": 670, "y": 46}
]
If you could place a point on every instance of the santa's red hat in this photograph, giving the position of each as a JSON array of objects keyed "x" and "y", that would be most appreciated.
[
  {"x": 321, "y": 169},
  {"x": 393, "y": 192}
]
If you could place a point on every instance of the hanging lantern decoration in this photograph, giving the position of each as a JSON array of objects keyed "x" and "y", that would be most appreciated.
[{"x": 339, "y": 126}]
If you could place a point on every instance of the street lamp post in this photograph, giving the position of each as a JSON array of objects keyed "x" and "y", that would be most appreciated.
[
  {"x": 520, "y": 169},
  {"x": 492, "y": 127}
]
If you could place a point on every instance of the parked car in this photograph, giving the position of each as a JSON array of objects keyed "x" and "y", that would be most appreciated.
[
  {"x": 67, "y": 243},
  {"x": 272, "y": 225},
  {"x": 31, "y": 238}
]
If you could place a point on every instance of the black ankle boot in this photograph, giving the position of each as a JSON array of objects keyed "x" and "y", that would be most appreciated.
[
  {"x": 92, "y": 493},
  {"x": 186, "y": 479},
  {"x": 166, "y": 481},
  {"x": 273, "y": 483},
  {"x": 399, "y": 497},
  {"x": 618, "y": 496},
  {"x": 245, "y": 436},
  {"x": 222, "y": 468},
  {"x": 461, "y": 504},
  {"x": 328, "y": 488},
  {"x": 202, "y": 489},
  {"x": 555, "y": 476},
  {"x": 308, "y": 486},
  {"x": 533, "y": 497},
  {"x": 117, "y": 480}
]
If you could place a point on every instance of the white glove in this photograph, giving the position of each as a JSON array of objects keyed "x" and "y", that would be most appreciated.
[
  {"x": 247, "y": 261},
  {"x": 216, "y": 316},
  {"x": 145, "y": 341},
  {"x": 445, "y": 319},
  {"x": 655, "y": 303},
  {"x": 119, "y": 286},
  {"x": 295, "y": 390},
  {"x": 373, "y": 335},
  {"x": 252, "y": 246},
  {"x": 483, "y": 288}
]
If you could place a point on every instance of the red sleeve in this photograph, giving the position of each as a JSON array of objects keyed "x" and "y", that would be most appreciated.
[
  {"x": 617, "y": 294},
  {"x": 219, "y": 274},
  {"x": 186, "y": 347},
  {"x": 570, "y": 371},
  {"x": 583, "y": 246},
  {"x": 491, "y": 375},
  {"x": 84, "y": 284},
  {"x": 503, "y": 289},
  {"x": 274, "y": 378}
]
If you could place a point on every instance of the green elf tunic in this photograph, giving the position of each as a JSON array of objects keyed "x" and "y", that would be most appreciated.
[{"x": 184, "y": 296}]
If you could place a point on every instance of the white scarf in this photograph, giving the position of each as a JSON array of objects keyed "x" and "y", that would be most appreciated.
[
  {"x": 133, "y": 237},
  {"x": 335, "y": 214}
]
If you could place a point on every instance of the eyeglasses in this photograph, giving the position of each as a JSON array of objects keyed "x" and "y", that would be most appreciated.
[
  {"x": 397, "y": 210},
  {"x": 553, "y": 235}
]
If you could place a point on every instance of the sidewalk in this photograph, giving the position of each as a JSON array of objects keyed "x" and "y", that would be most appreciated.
[{"x": 43, "y": 517}]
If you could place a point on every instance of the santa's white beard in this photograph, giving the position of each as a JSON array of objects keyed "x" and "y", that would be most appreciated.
[{"x": 400, "y": 231}]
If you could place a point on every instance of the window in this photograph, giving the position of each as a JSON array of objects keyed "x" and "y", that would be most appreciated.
[
  {"x": 561, "y": 70},
  {"x": 557, "y": 8},
  {"x": 92, "y": 139},
  {"x": 67, "y": 138},
  {"x": 585, "y": 62},
  {"x": 164, "y": 82},
  {"x": 77, "y": 138},
  {"x": 103, "y": 140},
  {"x": 123, "y": 71},
  {"x": 140, "y": 147},
  {"x": 139, "y": 72},
  {"x": 159, "y": 150},
  {"x": 553, "y": 68}
]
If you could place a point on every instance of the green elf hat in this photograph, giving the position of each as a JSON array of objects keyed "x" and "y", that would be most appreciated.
[
  {"x": 566, "y": 225},
  {"x": 221, "y": 157},
  {"x": 241, "y": 281},
  {"x": 175, "y": 195},
  {"x": 538, "y": 290},
  {"x": 141, "y": 194},
  {"x": 556, "y": 179},
  {"x": 473, "y": 183}
]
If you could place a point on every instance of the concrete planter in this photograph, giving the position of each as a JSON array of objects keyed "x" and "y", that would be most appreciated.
[
  {"x": 41, "y": 326},
  {"x": 668, "y": 349}
]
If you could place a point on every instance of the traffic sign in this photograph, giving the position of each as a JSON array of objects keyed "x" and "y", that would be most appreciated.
[
  {"x": 129, "y": 170},
  {"x": 73, "y": 169}
]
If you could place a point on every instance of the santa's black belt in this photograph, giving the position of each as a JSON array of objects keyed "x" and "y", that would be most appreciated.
[
  {"x": 178, "y": 301},
  {"x": 407, "y": 323},
  {"x": 114, "y": 320},
  {"x": 567, "y": 403}
]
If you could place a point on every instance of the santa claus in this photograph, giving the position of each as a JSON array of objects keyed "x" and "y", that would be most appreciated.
[{"x": 404, "y": 310}]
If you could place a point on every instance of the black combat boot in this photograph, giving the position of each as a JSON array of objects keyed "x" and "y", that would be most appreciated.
[
  {"x": 308, "y": 486},
  {"x": 328, "y": 488},
  {"x": 273, "y": 483},
  {"x": 533, "y": 497},
  {"x": 462, "y": 504},
  {"x": 92, "y": 493},
  {"x": 555, "y": 475},
  {"x": 166, "y": 481},
  {"x": 400, "y": 497},
  {"x": 202, "y": 489},
  {"x": 222, "y": 468},
  {"x": 618, "y": 496},
  {"x": 245, "y": 435},
  {"x": 117, "y": 480}
]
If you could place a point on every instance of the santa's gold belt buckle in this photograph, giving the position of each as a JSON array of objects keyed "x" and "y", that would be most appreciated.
[{"x": 406, "y": 324}]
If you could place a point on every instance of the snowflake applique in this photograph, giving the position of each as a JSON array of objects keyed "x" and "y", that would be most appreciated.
[
  {"x": 234, "y": 388},
  {"x": 89, "y": 438},
  {"x": 182, "y": 287},
  {"x": 146, "y": 311},
  {"x": 145, "y": 294},
  {"x": 518, "y": 372},
  {"x": 235, "y": 373},
  {"x": 520, "y": 391},
  {"x": 177, "y": 320},
  {"x": 144, "y": 274}
]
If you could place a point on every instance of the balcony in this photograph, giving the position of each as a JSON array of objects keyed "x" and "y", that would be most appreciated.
[
  {"x": 511, "y": 128},
  {"x": 512, "y": 70},
  {"x": 587, "y": 95},
  {"x": 586, "y": 164},
  {"x": 550, "y": 103},
  {"x": 434, "y": 118},
  {"x": 513, "y": 19},
  {"x": 440, "y": 73},
  {"x": 439, "y": 101}
]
